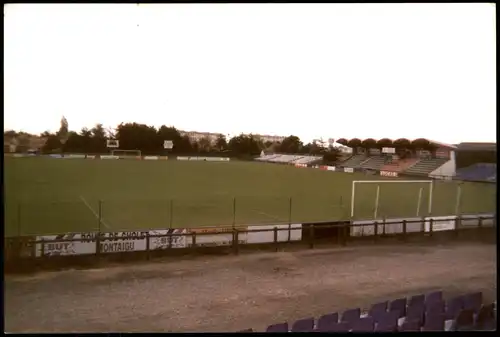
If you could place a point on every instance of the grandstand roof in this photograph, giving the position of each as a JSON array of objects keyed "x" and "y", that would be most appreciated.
[
  {"x": 442, "y": 144},
  {"x": 477, "y": 146}
]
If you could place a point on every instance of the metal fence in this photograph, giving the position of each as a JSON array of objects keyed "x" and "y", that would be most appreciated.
[{"x": 343, "y": 233}]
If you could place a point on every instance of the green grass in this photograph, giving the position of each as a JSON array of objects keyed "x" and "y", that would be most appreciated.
[{"x": 45, "y": 195}]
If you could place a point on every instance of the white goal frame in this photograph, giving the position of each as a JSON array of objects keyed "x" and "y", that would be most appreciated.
[
  {"x": 378, "y": 182},
  {"x": 138, "y": 153}
]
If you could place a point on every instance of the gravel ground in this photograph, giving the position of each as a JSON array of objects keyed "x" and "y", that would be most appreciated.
[{"x": 230, "y": 293}]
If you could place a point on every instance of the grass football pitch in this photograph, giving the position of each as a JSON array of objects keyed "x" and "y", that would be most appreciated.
[{"x": 49, "y": 196}]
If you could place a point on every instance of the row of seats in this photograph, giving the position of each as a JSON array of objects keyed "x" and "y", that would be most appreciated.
[
  {"x": 478, "y": 172},
  {"x": 374, "y": 162},
  {"x": 426, "y": 166},
  {"x": 288, "y": 159},
  {"x": 419, "y": 313},
  {"x": 354, "y": 161},
  {"x": 399, "y": 165}
]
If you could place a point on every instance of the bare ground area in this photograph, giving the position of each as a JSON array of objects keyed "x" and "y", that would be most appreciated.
[{"x": 230, "y": 293}]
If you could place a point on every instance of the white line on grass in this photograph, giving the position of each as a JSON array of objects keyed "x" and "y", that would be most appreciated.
[
  {"x": 266, "y": 214},
  {"x": 94, "y": 212}
]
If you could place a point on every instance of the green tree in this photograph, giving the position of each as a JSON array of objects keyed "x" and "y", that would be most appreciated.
[
  {"x": 291, "y": 144},
  {"x": 221, "y": 143}
]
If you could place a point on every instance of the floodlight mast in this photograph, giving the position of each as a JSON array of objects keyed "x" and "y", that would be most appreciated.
[{"x": 353, "y": 191}]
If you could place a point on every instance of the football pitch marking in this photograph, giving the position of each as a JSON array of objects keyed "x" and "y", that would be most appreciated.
[
  {"x": 94, "y": 212},
  {"x": 268, "y": 215}
]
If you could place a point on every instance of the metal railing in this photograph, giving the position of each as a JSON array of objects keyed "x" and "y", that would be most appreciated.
[{"x": 310, "y": 235}]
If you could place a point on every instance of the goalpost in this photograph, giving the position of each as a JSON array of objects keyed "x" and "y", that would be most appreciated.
[{"x": 400, "y": 197}]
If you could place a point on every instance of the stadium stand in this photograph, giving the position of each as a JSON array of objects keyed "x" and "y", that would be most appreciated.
[
  {"x": 425, "y": 166},
  {"x": 478, "y": 172},
  {"x": 374, "y": 162},
  {"x": 288, "y": 159},
  {"x": 354, "y": 161},
  {"x": 307, "y": 160},
  {"x": 418, "y": 313},
  {"x": 399, "y": 165}
]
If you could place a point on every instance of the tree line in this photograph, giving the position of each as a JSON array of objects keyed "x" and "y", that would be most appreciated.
[{"x": 149, "y": 140}]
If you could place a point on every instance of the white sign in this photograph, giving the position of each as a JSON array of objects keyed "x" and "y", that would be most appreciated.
[
  {"x": 388, "y": 150},
  {"x": 204, "y": 158},
  {"x": 440, "y": 223},
  {"x": 348, "y": 170},
  {"x": 109, "y": 157},
  {"x": 151, "y": 158},
  {"x": 168, "y": 144},
  {"x": 204, "y": 239},
  {"x": 112, "y": 143},
  {"x": 90, "y": 156},
  {"x": 388, "y": 174},
  {"x": 330, "y": 168},
  {"x": 114, "y": 242},
  {"x": 75, "y": 156},
  {"x": 392, "y": 226},
  {"x": 268, "y": 236}
]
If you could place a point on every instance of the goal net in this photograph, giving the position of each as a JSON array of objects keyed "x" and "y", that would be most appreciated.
[
  {"x": 377, "y": 199},
  {"x": 126, "y": 153}
]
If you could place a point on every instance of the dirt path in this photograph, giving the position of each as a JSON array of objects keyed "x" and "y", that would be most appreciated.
[{"x": 237, "y": 292}]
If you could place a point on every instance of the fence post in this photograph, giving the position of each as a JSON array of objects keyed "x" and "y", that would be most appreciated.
[
  {"x": 375, "y": 231},
  {"x": 235, "y": 241},
  {"x": 194, "y": 241},
  {"x": 383, "y": 225},
  {"x": 276, "y": 238},
  {"x": 289, "y": 219},
  {"x": 99, "y": 215},
  {"x": 171, "y": 213},
  {"x": 234, "y": 212},
  {"x": 480, "y": 222},
  {"x": 98, "y": 236},
  {"x": 147, "y": 246},
  {"x": 458, "y": 222},
  {"x": 311, "y": 237},
  {"x": 42, "y": 248},
  {"x": 431, "y": 226},
  {"x": 345, "y": 228},
  {"x": 19, "y": 219}
]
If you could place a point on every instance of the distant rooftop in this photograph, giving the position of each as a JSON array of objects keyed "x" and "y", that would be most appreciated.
[{"x": 470, "y": 146}]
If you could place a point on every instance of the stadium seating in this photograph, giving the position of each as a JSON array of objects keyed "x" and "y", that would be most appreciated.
[
  {"x": 398, "y": 165},
  {"x": 288, "y": 159},
  {"x": 478, "y": 172},
  {"x": 374, "y": 162},
  {"x": 425, "y": 166},
  {"x": 418, "y": 313},
  {"x": 354, "y": 161}
]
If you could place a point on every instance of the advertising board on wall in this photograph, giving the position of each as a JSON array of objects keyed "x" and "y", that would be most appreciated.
[
  {"x": 440, "y": 223},
  {"x": 75, "y": 156},
  {"x": 204, "y": 239},
  {"x": 114, "y": 242},
  {"x": 118, "y": 242},
  {"x": 293, "y": 231},
  {"x": 391, "y": 226},
  {"x": 388, "y": 174},
  {"x": 348, "y": 170}
]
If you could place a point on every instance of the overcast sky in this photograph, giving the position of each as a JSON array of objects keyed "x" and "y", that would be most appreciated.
[{"x": 315, "y": 70}]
